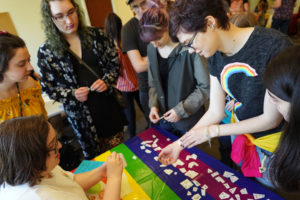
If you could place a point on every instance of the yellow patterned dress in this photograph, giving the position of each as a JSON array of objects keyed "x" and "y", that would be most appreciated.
[{"x": 31, "y": 101}]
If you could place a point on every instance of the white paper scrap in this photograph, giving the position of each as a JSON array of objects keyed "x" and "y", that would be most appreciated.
[
  {"x": 168, "y": 171},
  {"x": 219, "y": 179},
  {"x": 226, "y": 185},
  {"x": 189, "y": 193},
  {"x": 192, "y": 174},
  {"x": 237, "y": 196},
  {"x": 203, "y": 192},
  {"x": 154, "y": 136},
  {"x": 204, "y": 187},
  {"x": 224, "y": 195},
  {"x": 192, "y": 164},
  {"x": 156, "y": 158},
  {"x": 209, "y": 171},
  {"x": 194, "y": 156},
  {"x": 157, "y": 149},
  {"x": 227, "y": 174},
  {"x": 146, "y": 142},
  {"x": 178, "y": 162},
  {"x": 195, "y": 189},
  {"x": 196, "y": 183},
  {"x": 196, "y": 197},
  {"x": 258, "y": 196},
  {"x": 142, "y": 147},
  {"x": 134, "y": 157},
  {"x": 183, "y": 170},
  {"x": 233, "y": 178},
  {"x": 244, "y": 191},
  {"x": 148, "y": 151},
  {"x": 215, "y": 174},
  {"x": 232, "y": 190},
  {"x": 186, "y": 184}
]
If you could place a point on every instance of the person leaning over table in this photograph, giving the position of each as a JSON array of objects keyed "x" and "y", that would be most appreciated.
[
  {"x": 20, "y": 94},
  {"x": 237, "y": 59},
  {"x": 91, "y": 108},
  {"x": 178, "y": 80},
  {"x": 29, "y": 170}
]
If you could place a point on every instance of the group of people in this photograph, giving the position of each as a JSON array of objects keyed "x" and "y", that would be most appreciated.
[{"x": 184, "y": 53}]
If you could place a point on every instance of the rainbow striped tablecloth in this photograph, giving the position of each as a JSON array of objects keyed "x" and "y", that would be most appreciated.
[{"x": 195, "y": 175}]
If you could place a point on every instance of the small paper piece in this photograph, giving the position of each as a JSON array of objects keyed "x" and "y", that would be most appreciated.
[
  {"x": 168, "y": 139},
  {"x": 196, "y": 183},
  {"x": 162, "y": 165},
  {"x": 219, "y": 179},
  {"x": 134, "y": 157},
  {"x": 175, "y": 173},
  {"x": 233, "y": 178},
  {"x": 237, "y": 196},
  {"x": 209, "y": 171},
  {"x": 194, "y": 156},
  {"x": 231, "y": 198},
  {"x": 192, "y": 174},
  {"x": 204, "y": 187},
  {"x": 203, "y": 192},
  {"x": 157, "y": 149},
  {"x": 156, "y": 158},
  {"x": 196, "y": 197},
  {"x": 224, "y": 195},
  {"x": 186, "y": 184},
  {"x": 226, "y": 185},
  {"x": 168, "y": 171},
  {"x": 215, "y": 174},
  {"x": 227, "y": 174},
  {"x": 147, "y": 145},
  {"x": 155, "y": 143},
  {"x": 148, "y": 151},
  {"x": 192, "y": 164},
  {"x": 154, "y": 136},
  {"x": 188, "y": 193},
  {"x": 143, "y": 147},
  {"x": 195, "y": 189},
  {"x": 232, "y": 190},
  {"x": 183, "y": 170},
  {"x": 146, "y": 142},
  {"x": 244, "y": 191},
  {"x": 258, "y": 196},
  {"x": 87, "y": 165}
]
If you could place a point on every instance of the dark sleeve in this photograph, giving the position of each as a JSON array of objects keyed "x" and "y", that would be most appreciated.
[
  {"x": 213, "y": 67},
  {"x": 280, "y": 43},
  {"x": 111, "y": 66},
  {"x": 128, "y": 36}
]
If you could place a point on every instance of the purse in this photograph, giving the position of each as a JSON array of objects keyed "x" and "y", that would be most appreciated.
[{"x": 116, "y": 93}]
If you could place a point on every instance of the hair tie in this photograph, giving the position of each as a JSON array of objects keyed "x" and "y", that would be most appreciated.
[{"x": 3, "y": 32}]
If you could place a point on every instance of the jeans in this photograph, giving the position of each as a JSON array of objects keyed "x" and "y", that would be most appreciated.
[
  {"x": 281, "y": 25},
  {"x": 130, "y": 110},
  {"x": 144, "y": 99}
]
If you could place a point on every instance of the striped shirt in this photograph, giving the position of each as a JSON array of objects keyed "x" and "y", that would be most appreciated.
[{"x": 127, "y": 81}]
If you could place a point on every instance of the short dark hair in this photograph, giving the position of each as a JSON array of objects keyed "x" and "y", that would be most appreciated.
[
  {"x": 190, "y": 15},
  {"x": 23, "y": 150},
  {"x": 282, "y": 78},
  {"x": 113, "y": 27},
  {"x": 154, "y": 23},
  {"x": 8, "y": 45}
]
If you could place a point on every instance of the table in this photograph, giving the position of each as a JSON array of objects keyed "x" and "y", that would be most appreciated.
[{"x": 195, "y": 175}]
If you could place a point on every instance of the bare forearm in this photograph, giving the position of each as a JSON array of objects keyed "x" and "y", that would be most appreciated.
[
  {"x": 209, "y": 118},
  {"x": 113, "y": 189},
  {"x": 88, "y": 179}
]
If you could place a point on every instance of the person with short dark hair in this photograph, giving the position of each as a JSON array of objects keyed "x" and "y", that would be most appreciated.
[
  {"x": 237, "y": 60},
  {"x": 29, "y": 158},
  {"x": 178, "y": 81},
  {"x": 282, "y": 80},
  {"x": 20, "y": 94},
  {"x": 86, "y": 93},
  {"x": 282, "y": 15}
]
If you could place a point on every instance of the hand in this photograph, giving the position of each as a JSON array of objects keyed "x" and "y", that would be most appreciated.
[
  {"x": 170, "y": 153},
  {"x": 81, "y": 94},
  {"x": 194, "y": 137},
  {"x": 171, "y": 116},
  {"x": 230, "y": 105},
  {"x": 99, "y": 86},
  {"x": 114, "y": 167},
  {"x": 154, "y": 116}
]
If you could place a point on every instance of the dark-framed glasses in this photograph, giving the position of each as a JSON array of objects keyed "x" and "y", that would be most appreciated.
[
  {"x": 55, "y": 146},
  {"x": 62, "y": 17},
  {"x": 189, "y": 45}
]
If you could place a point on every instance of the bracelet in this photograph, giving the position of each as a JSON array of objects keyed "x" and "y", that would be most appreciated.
[
  {"x": 208, "y": 136},
  {"x": 180, "y": 143}
]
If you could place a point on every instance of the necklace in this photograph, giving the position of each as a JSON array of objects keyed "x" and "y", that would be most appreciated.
[{"x": 20, "y": 100}]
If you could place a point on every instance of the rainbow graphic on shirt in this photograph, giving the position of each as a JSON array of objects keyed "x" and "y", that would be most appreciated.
[{"x": 235, "y": 68}]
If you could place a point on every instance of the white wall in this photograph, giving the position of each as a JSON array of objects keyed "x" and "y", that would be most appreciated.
[{"x": 27, "y": 19}]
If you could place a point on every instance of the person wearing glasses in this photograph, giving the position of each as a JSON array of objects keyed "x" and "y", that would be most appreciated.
[
  {"x": 85, "y": 92},
  {"x": 20, "y": 94},
  {"x": 178, "y": 80},
  {"x": 29, "y": 170},
  {"x": 237, "y": 59}
]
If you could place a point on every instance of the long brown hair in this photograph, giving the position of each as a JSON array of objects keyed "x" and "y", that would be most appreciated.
[{"x": 23, "y": 150}]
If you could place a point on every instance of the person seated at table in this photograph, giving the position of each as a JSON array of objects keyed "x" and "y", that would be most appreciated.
[
  {"x": 237, "y": 59},
  {"x": 178, "y": 81},
  {"x": 29, "y": 158},
  {"x": 127, "y": 80},
  {"x": 282, "y": 80},
  {"x": 20, "y": 94}
]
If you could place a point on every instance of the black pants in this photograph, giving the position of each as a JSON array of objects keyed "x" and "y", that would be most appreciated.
[{"x": 130, "y": 110}]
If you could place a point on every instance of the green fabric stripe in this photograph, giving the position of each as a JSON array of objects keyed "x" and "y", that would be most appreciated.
[{"x": 152, "y": 185}]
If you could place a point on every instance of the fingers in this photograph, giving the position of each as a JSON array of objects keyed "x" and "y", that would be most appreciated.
[
  {"x": 154, "y": 116},
  {"x": 81, "y": 94},
  {"x": 171, "y": 116},
  {"x": 99, "y": 86}
]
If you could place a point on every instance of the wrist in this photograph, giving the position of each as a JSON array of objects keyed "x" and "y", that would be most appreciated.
[
  {"x": 179, "y": 144},
  {"x": 214, "y": 131}
]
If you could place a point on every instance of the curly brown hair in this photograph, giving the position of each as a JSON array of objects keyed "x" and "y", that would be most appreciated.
[
  {"x": 23, "y": 150},
  {"x": 55, "y": 39}
]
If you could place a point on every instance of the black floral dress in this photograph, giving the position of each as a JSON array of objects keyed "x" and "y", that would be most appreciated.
[{"x": 60, "y": 79}]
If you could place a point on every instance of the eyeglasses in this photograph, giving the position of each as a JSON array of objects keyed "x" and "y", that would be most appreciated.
[
  {"x": 189, "y": 45},
  {"x": 55, "y": 146},
  {"x": 62, "y": 17},
  {"x": 143, "y": 4}
]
